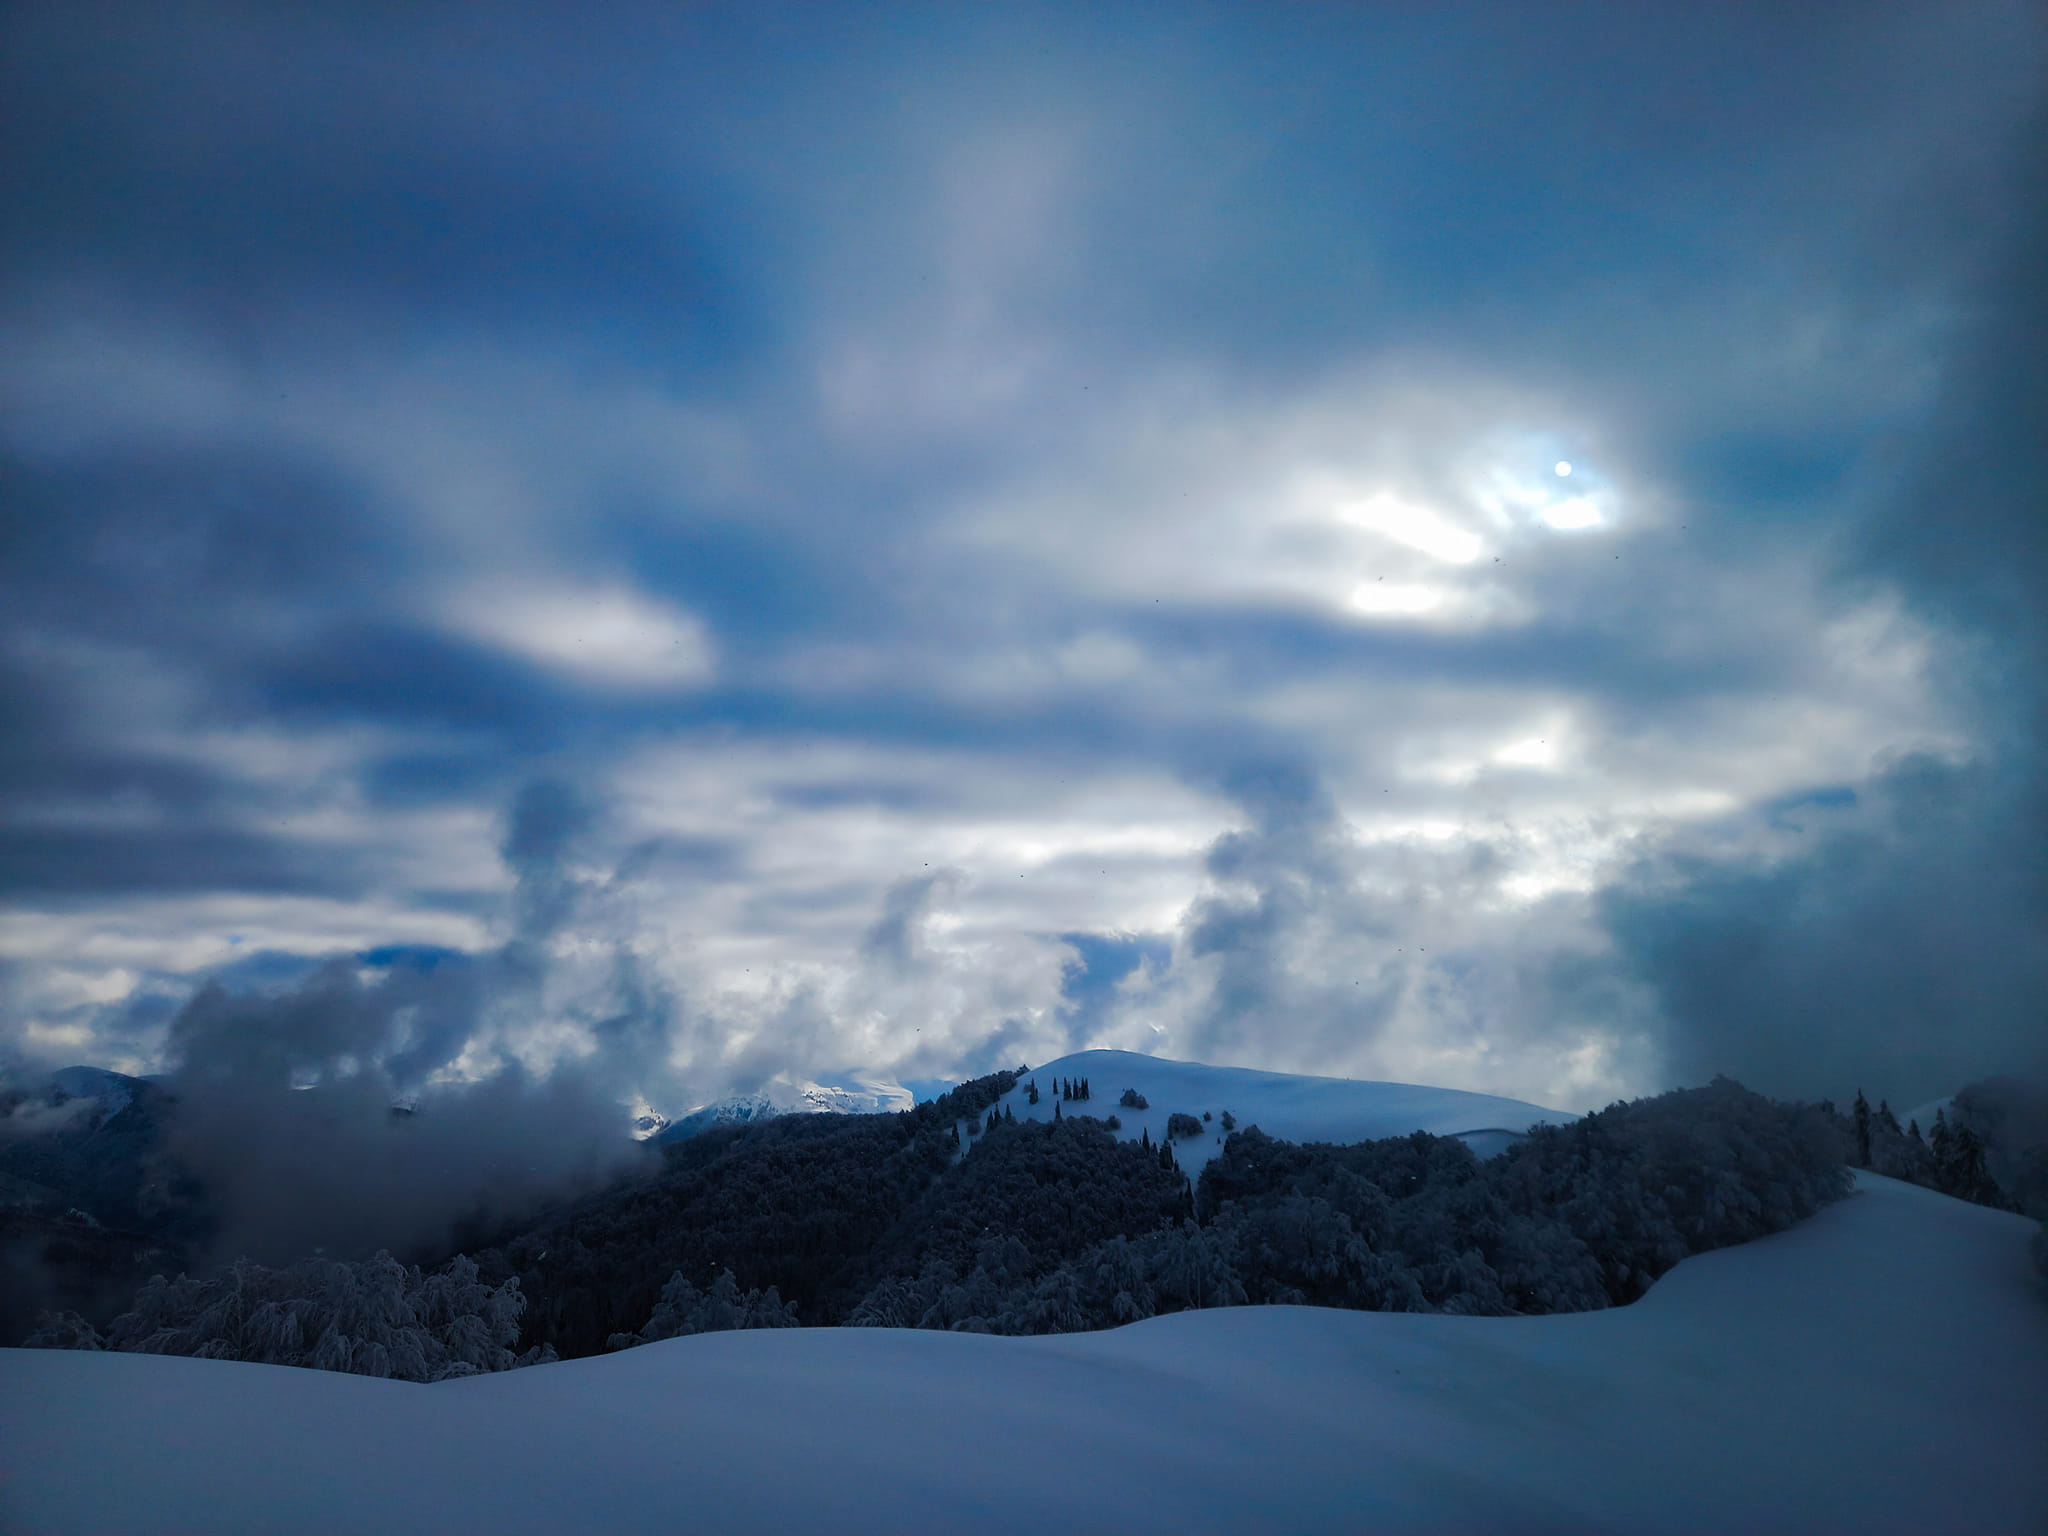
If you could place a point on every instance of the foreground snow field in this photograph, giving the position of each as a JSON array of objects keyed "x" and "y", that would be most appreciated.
[{"x": 1883, "y": 1367}]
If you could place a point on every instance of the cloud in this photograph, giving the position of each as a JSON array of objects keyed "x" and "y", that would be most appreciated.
[
  {"x": 512, "y": 1070},
  {"x": 34, "y": 1117},
  {"x": 548, "y": 816},
  {"x": 1896, "y": 939},
  {"x": 1890, "y": 933},
  {"x": 1316, "y": 947},
  {"x": 898, "y": 937},
  {"x": 284, "y": 1111},
  {"x": 913, "y": 522},
  {"x": 609, "y": 638}
]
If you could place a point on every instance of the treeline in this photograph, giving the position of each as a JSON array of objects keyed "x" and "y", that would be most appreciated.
[
  {"x": 684, "y": 1310},
  {"x": 799, "y": 1203},
  {"x": 1573, "y": 1218},
  {"x": 823, "y": 1208},
  {"x": 1042, "y": 1227},
  {"x": 1055, "y": 1226},
  {"x": 375, "y": 1318},
  {"x": 1993, "y": 1148},
  {"x": 1993, "y": 1151}
]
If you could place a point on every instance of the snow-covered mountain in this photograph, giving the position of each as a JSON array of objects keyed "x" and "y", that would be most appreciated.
[
  {"x": 1882, "y": 1367},
  {"x": 1286, "y": 1105},
  {"x": 790, "y": 1096}
]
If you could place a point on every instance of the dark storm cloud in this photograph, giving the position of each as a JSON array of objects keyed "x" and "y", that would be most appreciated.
[
  {"x": 37, "y": 862},
  {"x": 240, "y": 159},
  {"x": 284, "y": 1111},
  {"x": 1906, "y": 946},
  {"x": 284, "y": 1095},
  {"x": 128, "y": 576},
  {"x": 1906, "y": 951},
  {"x": 179, "y": 544},
  {"x": 1967, "y": 531}
]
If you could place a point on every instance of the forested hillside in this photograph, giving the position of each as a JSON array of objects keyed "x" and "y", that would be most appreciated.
[
  {"x": 90, "y": 1204},
  {"x": 800, "y": 1202},
  {"x": 1024, "y": 1227}
]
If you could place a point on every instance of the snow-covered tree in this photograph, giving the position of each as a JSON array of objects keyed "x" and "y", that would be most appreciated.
[
  {"x": 374, "y": 1318},
  {"x": 684, "y": 1310}
]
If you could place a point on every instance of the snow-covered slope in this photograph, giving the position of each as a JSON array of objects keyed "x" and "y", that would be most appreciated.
[
  {"x": 1880, "y": 1368},
  {"x": 789, "y": 1096},
  {"x": 1293, "y": 1108}
]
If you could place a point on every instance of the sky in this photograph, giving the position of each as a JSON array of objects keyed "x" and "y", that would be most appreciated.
[{"x": 611, "y": 555}]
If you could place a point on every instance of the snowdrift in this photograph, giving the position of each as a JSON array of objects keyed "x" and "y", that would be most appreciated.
[{"x": 1882, "y": 1367}]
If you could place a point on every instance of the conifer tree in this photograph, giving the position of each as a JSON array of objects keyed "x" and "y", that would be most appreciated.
[
  {"x": 1862, "y": 1113},
  {"x": 1963, "y": 1171}
]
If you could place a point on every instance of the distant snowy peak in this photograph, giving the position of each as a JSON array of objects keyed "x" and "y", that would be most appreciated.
[
  {"x": 800, "y": 1096},
  {"x": 1284, "y": 1105},
  {"x": 738, "y": 1111},
  {"x": 1291, "y": 1107},
  {"x": 789, "y": 1096}
]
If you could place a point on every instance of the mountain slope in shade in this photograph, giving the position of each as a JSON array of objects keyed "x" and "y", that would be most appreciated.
[
  {"x": 1883, "y": 1367},
  {"x": 112, "y": 1090},
  {"x": 1291, "y": 1107}
]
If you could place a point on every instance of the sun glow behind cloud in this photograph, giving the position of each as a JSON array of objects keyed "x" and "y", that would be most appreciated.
[
  {"x": 1531, "y": 752},
  {"x": 1182, "y": 495},
  {"x": 1378, "y": 599},
  {"x": 1516, "y": 492},
  {"x": 1413, "y": 525}
]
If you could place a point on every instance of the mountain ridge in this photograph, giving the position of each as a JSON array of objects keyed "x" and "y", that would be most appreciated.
[{"x": 1292, "y": 1106}]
